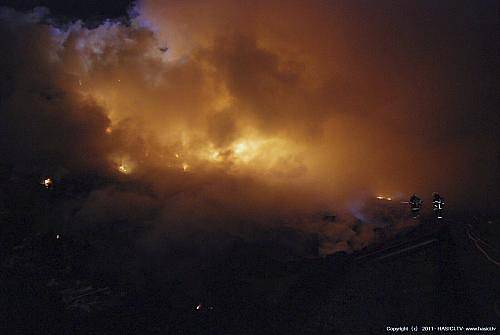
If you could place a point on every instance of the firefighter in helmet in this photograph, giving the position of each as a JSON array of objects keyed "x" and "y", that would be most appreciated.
[
  {"x": 437, "y": 205},
  {"x": 415, "y": 205}
]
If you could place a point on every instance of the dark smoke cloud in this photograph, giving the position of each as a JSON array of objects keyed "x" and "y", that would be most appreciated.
[{"x": 44, "y": 125}]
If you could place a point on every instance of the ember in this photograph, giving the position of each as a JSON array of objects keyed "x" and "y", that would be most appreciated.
[{"x": 47, "y": 183}]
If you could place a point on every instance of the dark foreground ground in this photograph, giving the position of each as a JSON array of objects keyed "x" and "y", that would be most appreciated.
[{"x": 445, "y": 281}]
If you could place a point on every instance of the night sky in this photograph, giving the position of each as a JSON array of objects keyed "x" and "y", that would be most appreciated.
[{"x": 74, "y": 9}]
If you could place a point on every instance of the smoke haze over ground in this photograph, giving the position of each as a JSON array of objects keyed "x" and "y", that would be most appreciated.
[{"x": 227, "y": 116}]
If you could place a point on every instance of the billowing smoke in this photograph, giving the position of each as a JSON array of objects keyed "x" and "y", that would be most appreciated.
[
  {"x": 231, "y": 117},
  {"x": 382, "y": 98}
]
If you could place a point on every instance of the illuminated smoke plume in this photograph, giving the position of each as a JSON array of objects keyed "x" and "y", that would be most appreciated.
[{"x": 235, "y": 114}]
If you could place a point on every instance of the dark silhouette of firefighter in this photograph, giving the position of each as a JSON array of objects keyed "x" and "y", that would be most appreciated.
[
  {"x": 415, "y": 205},
  {"x": 437, "y": 205}
]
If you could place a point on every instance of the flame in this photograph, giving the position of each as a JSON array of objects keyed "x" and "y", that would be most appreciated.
[
  {"x": 193, "y": 152},
  {"x": 210, "y": 154},
  {"x": 240, "y": 148},
  {"x": 124, "y": 164},
  {"x": 246, "y": 150},
  {"x": 109, "y": 130},
  {"x": 123, "y": 169},
  {"x": 47, "y": 182},
  {"x": 244, "y": 155},
  {"x": 215, "y": 156}
]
